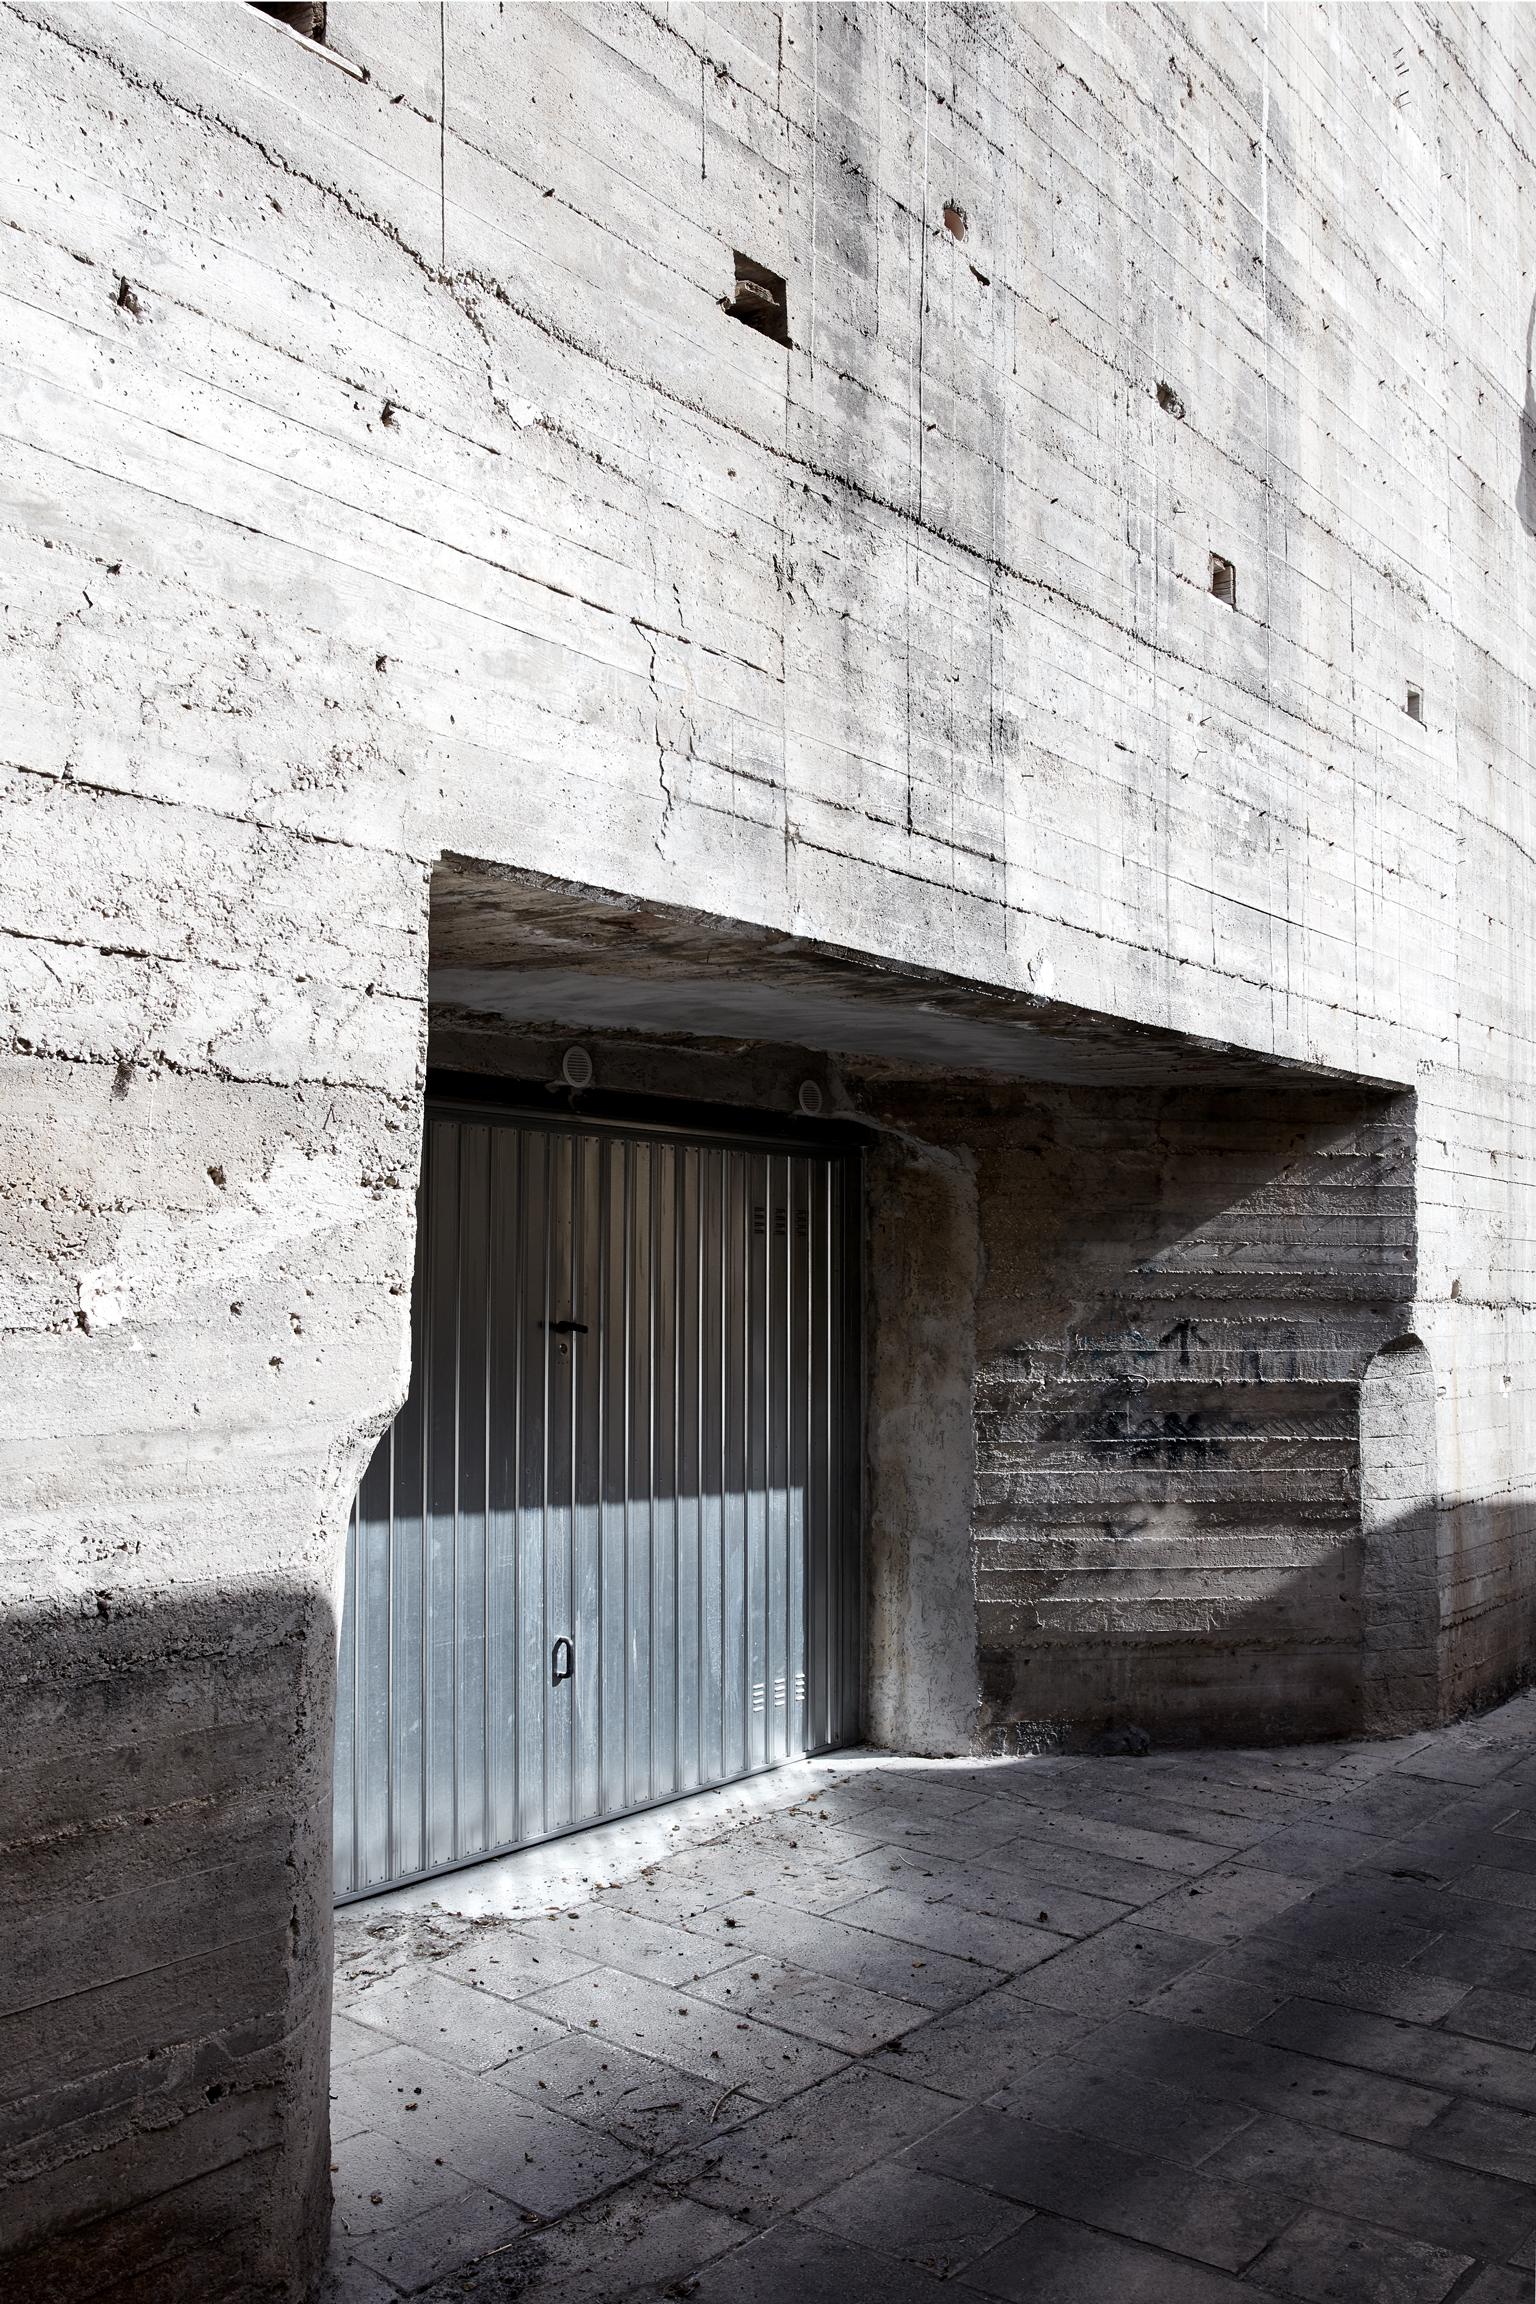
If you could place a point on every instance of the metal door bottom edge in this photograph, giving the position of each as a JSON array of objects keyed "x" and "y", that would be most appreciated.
[{"x": 589, "y": 1824}]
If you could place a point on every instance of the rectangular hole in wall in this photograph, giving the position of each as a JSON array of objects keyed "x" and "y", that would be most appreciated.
[
  {"x": 303, "y": 16},
  {"x": 761, "y": 300},
  {"x": 1415, "y": 703},
  {"x": 305, "y": 22},
  {"x": 1224, "y": 580}
]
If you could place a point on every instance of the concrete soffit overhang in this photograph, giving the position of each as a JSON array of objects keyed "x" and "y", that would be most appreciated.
[{"x": 538, "y": 953}]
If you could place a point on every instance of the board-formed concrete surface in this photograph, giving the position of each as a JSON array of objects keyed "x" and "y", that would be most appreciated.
[
  {"x": 1167, "y": 2029},
  {"x": 387, "y": 482}
]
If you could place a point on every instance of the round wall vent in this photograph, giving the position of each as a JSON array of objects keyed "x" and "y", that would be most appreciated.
[
  {"x": 576, "y": 1068},
  {"x": 810, "y": 1097}
]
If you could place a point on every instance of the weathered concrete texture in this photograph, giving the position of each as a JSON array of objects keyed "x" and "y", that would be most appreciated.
[
  {"x": 1182, "y": 1294},
  {"x": 174, "y": 1513},
  {"x": 1187, "y": 2029},
  {"x": 1399, "y": 1566},
  {"x": 385, "y": 479},
  {"x": 922, "y": 1684},
  {"x": 165, "y": 2038},
  {"x": 514, "y": 947}
]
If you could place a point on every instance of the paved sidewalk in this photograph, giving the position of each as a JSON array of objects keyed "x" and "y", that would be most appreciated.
[{"x": 1168, "y": 2030}]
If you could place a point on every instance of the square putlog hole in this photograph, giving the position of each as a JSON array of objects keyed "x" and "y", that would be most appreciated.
[
  {"x": 306, "y": 17},
  {"x": 761, "y": 300}
]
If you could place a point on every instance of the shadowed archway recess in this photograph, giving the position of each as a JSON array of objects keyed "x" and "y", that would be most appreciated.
[{"x": 1121, "y": 1290}]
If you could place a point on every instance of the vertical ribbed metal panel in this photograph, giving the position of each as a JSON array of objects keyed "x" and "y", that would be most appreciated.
[{"x": 629, "y": 1428}]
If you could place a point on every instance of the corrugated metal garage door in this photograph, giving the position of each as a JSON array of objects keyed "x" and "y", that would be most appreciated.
[{"x": 608, "y": 1551}]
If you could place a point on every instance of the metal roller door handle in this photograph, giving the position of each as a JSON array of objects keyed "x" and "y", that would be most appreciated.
[{"x": 562, "y": 1662}]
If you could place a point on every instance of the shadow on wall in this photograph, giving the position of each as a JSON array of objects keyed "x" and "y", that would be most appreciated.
[
  {"x": 1525, "y": 492},
  {"x": 166, "y": 1913},
  {"x": 1380, "y": 1681},
  {"x": 1304, "y": 1653},
  {"x": 1181, "y": 1295},
  {"x": 1488, "y": 1637}
]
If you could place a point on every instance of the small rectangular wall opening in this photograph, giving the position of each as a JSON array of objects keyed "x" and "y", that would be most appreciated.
[
  {"x": 1223, "y": 580},
  {"x": 761, "y": 300},
  {"x": 1415, "y": 703},
  {"x": 306, "y": 17}
]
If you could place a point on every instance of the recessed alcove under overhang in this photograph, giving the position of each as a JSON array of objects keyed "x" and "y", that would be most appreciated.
[{"x": 1120, "y": 1286}]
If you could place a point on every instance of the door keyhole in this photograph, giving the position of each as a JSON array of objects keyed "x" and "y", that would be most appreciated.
[{"x": 562, "y": 1661}]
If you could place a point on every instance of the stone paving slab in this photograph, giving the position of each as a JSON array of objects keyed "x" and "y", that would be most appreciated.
[
  {"x": 1008, "y": 1893},
  {"x": 1088, "y": 2095},
  {"x": 451, "y": 2019},
  {"x": 936, "y": 2222},
  {"x": 1508, "y": 2017},
  {"x": 1148, "y": 2050},
  {"x": 694, "y": 2034},
  {"x": 510, "y": 2141},
  {"x": 651, "y": 2107},
  {"x": 770, "y": 2166},
  {"x": 1498, "y": 2285},
  {"x": 814, "y": 2268},
  {"x": 1119, "y": 1880},
  {"x": 1054, "y": 2262},
  {"x": 941, "y": 1923},
  {"x": 609, "y": 1937},
  {"x": 838, "y": 2014},
  {"x": 640, "y": 2241},
  {"x": 867, "y": 1957},
  {"x": 1118, "y": 1967},
  {"x": 473, "y": 2224},
  {"x": 1184, "y": 2029},
  {"x": 1224, "y": 1905},
  {"x": 1403, "y": 2191},
  {"x": 1430, "y": 2054},
  {"x": 1337, "y": 2260},
  {"x": 1378, "y": 1987},
  {"x": 986, "y": 2048},
  {"x": 1135, "y": 2194},
  {"x": 514, "y": 1962},
  {"x": 1468, "y": 1905}
]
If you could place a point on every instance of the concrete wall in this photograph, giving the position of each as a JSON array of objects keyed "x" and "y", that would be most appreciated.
[
  {"x": 1399, "y": 1564},
  {"x": 195, "y": 1375},
  {"x": 923, "y": 1259},
  {"x": 1200, "y": 1503},
  {"x": 1182, "y": 1292},
  {"x": 384, "y": 477}
]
